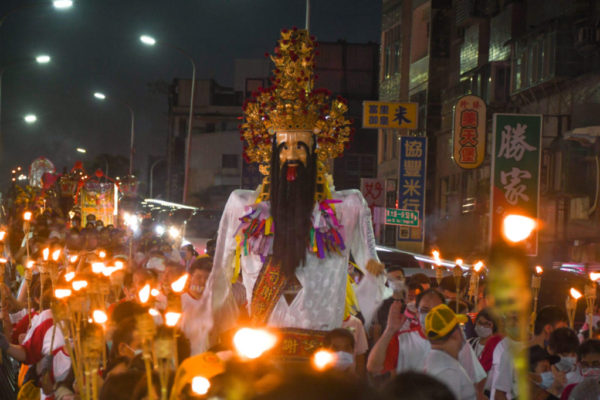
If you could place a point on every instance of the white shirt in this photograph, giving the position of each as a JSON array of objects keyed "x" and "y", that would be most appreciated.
[
  {"x": 442, "y": 366},
  {"x": 413, "y": 351},
  {"x": 502, "y": 374}
]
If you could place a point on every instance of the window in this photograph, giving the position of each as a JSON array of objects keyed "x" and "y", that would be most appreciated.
[{"x": 229, "y": 161}]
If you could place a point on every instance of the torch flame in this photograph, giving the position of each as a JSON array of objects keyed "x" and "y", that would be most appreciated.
[
  {"x": 99, "y": 316},
  {"x": 517, "y": 228},
  {"x": 154, "y": 312},
  {"x": 323, "y": 359},
  {"x": 171, "y": 318},
  {"x": 539, "y": 270},
  {"x": 154, "y": 292},
  {"x": 30, "y": 264},
  {"x": 119, "y": 264},
  {"x": 27, "y": 216},
  {"x": 78, "y": 285},
  {"x": 102, "y": 254},
  {"x": 200, "y": 385},
  {"x": 478, "y": 266},
  {"x": 576, "y": 294},
  {"x": 55, "y": 255},
  {"x": 436, "y": 257},
  {"x": 144, "y": 293},
  {"x": 594, "y": 276},
  {"x": 69, "y": 276},
  {"x": 62, "y": 293},
  {"x": 179, "y": 284},
  {"x": 46, "y": 253},
  {"x": 459, "y": 262},
  {"x": 2, "y": 235},
  {"x": 252, "y": 343},
  {"x": 97, "y": 267},
  {"x": 73, "y": 259},
  {"x": 3, "y": 260}
]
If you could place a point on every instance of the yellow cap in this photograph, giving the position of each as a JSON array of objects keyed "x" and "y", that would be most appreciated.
[{"x": 441, "y": 320}]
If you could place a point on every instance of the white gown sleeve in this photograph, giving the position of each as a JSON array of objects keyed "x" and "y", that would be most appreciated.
[
  {"x": 370, "y": 290},
  {"x": 217, "y": 298}
]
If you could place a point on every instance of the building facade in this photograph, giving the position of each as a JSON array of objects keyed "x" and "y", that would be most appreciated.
[{"x": 525, "y": 57}]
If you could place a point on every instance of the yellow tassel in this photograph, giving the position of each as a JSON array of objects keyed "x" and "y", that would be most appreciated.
[
  {"x": 236, "y": 261},
  {"x": 351, "y": 306},
  {"x": 268, "y": 223}
]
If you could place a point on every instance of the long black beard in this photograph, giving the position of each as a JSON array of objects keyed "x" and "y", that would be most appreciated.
[{"x": 291, "y": 208}]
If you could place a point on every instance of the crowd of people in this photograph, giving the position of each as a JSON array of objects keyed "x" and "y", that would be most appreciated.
[{"x": 415, "y": 346}]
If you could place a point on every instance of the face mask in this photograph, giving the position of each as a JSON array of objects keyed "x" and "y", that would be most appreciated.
[
  {"x": 547, "y": 379},
  {"x": 344, "y": 360},
  {"x": 590, "y": 372},
  {"x": 566, "y": 364},
  {"x": 396, "y": 285},
  {"x": 156, "y": 263},
  {"x": 422, "y": 320},
  {"x": 483, "y": 331}
]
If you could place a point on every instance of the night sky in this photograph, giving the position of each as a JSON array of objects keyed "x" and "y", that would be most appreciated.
[{"x": 95, "y": 46}]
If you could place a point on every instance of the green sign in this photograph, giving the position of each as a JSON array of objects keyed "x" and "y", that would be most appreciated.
[
  {"x": 517, "y": 151},
  {"x": 394, "y": 216}
]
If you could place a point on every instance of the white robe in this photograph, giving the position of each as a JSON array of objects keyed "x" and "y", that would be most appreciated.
[{"x": 319, "y": 305}]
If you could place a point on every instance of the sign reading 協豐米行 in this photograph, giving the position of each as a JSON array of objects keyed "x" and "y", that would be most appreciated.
[
  {"x": 411, "y": 185},
  {"x": 469, "y": 132},
  {"x": 401, "y": 217},
  {"x": 515, "y": 176},
  {"x": 381, "y": 114}
]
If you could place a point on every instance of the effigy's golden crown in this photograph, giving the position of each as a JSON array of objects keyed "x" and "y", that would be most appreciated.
[{"x": 291, "y": 103}]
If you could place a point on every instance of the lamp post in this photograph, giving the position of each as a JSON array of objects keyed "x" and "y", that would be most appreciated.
[
  {"x": 102, "y": 96},
  {"x": 150, "y": 41}
]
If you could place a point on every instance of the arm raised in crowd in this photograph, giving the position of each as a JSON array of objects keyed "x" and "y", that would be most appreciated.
[{"x": 376, "y": 361}]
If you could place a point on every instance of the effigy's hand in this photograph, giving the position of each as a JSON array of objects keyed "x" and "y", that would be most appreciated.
[{"x": 375, "y": 268}]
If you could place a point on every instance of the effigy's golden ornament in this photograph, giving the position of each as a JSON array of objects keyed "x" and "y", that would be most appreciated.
[{"x": 292, "y": 103}]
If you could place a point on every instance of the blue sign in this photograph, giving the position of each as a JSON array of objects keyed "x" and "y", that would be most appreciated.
[{"x": 411, "y": 184}]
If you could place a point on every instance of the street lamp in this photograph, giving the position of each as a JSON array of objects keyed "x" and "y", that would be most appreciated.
[
  {"x": 62, "y": 4},
  {"x": 151, "y": 41},
  {"x": 42, "y": 59},
  {"x": 102, "y": 96},
  {"x": 30, "y": 118}
]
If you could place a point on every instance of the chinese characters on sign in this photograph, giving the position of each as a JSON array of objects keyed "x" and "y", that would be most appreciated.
[
  {"x": 515, "y": 170},
  {"x": 411, "y": 187},
  {"x": 379, "y": 114},
  {"x": 374, "y": 192},
  {"x": 401, "y": 217},
  {"x": 469, "y": 132}
]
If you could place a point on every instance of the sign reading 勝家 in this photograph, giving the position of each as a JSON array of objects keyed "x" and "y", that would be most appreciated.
[
  {"x": 469, "y": 132},
  {"x": 517, "y": 150}
]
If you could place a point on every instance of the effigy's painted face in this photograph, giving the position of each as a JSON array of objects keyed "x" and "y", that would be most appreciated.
[{"x": 294, "y": 146}]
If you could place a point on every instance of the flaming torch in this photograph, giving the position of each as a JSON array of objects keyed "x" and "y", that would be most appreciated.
[
  {"x": 571, "y": 305},
  {"x": 590, "y": 299},
  {"x": 439, "y": 273},
  {"x": 536, "y": 283},
  {"x": 457, "y": 272}
]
